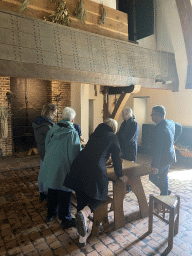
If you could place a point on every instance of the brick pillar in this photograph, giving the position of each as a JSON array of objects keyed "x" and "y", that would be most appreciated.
[
  {"x": 64, "y": 89},
  {"x": 6, "y": 144},
  {"x": 49, "y": 91}
]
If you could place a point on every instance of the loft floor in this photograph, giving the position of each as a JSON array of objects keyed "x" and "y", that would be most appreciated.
[{"x": 24, "y": 232}]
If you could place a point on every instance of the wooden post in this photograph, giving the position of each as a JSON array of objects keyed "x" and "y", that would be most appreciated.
[
  {"x": 106, "y": 113},
  {"x": 122, "y": 101}
]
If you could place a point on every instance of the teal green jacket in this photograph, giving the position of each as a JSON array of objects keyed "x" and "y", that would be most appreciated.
[{"x": 62, "y": 145}]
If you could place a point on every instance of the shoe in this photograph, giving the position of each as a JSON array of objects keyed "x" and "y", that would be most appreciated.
[
  {"x": 82, "y": 218},
  {"x": 42, "y": 197},
  {"x": 70, "y": 224},
  {"x": 83, "y": 240},
  {"x": 49, "y": 219}
]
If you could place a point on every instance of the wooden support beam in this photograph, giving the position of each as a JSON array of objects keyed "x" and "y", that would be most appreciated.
[
  {"x": 122, "y": 101},
  {"x": 105, "y": 92},
  {"x": 120, "y": 105}
]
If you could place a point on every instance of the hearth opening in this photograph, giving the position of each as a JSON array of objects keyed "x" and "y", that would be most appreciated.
[{"x": 26, "y": 102}]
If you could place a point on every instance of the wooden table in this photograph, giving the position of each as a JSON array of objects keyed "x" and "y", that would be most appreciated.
[{"x": 133, "y": 171}]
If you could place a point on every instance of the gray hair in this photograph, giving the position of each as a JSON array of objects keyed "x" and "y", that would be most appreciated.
[
  {"x": 112, "y": 123},
  {"x": 48, "y": 110},
  {"x": 68, "y": 114},
  {"x": 159, "y": 110},
  {"x": 128, "y": 111}
]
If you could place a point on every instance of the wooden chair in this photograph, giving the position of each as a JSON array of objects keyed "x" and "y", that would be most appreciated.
[{"x": 161, "y": 206}]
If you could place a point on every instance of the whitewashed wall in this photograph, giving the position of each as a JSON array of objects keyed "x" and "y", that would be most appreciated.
[
  {"x": 109, "y": 3},
  {"x": 169, "y": 37}
]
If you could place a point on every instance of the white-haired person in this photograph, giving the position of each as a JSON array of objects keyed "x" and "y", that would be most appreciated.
[
  {"x": 128, "y": 135},
  {"x": 62, "y": 145},
  {"x": 41, "y": 125},
  {"x": 88, "y": 174}
]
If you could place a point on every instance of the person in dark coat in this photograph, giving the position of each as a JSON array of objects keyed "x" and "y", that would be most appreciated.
[
  {"x": 128, "y": 135},
  {"x": 88, "y": 174},
  {"x": 165, "y": 134},
  {"x": 41, "y": 125}
]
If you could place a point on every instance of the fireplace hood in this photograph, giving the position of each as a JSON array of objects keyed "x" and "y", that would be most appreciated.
[{"x": 33, "y": 48}]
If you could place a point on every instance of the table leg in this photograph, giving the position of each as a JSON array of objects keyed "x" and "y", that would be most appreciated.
[
  {"x": 137, "y": 189},
  {"x": 118, "y": 196}
]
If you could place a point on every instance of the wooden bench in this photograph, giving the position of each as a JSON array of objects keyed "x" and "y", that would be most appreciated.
[
  {"x": 100, "y": 215},
  {"x": 134, "y": 172}
]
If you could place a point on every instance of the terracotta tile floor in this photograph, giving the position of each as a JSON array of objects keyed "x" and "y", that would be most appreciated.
[{"x": 24, "y": 232}]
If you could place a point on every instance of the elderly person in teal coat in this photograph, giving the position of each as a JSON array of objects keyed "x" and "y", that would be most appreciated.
[{"x": 62, "y": 145}]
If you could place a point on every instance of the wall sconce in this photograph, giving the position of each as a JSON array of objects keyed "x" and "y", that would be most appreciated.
[{"x": 161, "y": 81}]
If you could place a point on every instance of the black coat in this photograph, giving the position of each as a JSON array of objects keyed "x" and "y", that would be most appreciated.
[
  {"x": 165, "y": 133},
  {"x": 88, "y": 171},
  {"x": 128, "y": 135},
  {"x": 41, "y": 126}
]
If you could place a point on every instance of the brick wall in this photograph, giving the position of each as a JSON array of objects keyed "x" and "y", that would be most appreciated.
[
  {"x": 5, "y": 144},
  {"x": 64, "y": 89},
  {"x": 38, "y": 93},
  {"x": 35, "y": 90}
]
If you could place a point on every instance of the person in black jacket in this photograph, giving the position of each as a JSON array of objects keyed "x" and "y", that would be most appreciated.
[
  {"x": 88, "y": 175},
  {"x": 128, "y": 135},
  {"x": 165, "y": 134},
  {"x": 41, "y": 125}
]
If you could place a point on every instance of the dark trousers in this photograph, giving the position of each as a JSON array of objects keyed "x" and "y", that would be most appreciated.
[
  {"x": 84, "y": 200},
  {"x": 59, "y": 201},
  {"x": 161, "y": 179}
]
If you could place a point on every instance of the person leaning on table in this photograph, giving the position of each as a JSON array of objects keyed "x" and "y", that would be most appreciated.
[{"x": 88, "y": 173}]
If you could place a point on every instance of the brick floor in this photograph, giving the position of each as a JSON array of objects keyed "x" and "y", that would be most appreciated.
[{"x": 24, "y": 232}]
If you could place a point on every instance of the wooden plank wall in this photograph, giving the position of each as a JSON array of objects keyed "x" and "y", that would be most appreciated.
[{"x": 116, "y": 23}]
